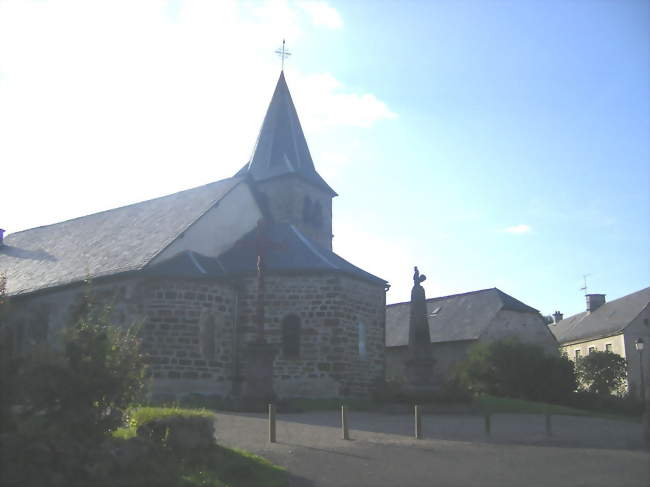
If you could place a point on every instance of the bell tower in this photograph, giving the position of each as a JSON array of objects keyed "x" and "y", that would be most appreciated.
[{"x": 283, "y": 173}]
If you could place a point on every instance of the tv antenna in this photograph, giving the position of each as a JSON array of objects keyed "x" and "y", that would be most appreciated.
[
  {"x": 283, "y": 53},
  {"x": 584, "y": 278}
]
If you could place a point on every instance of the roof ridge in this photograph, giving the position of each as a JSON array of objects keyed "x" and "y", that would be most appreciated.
[
  {"x": 450, "y": 295},
  {"x": 118, "y": 207},
  {"x": 626, "y": 296}
]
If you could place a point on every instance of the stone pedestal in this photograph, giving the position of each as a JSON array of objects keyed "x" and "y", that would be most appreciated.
[
  {"x": 419, "y": 371},
  {"x": 258, "y": 376},
  {"x": 420, "y": 381}
]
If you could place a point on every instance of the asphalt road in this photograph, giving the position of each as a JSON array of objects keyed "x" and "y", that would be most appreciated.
[{"x": 454, "y": 452}]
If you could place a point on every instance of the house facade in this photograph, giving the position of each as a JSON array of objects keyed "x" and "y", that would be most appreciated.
[
  {"x": 613, "y": 326},
  {"x": 459, "y": 321},
  {"x": 185, "y": 267}
]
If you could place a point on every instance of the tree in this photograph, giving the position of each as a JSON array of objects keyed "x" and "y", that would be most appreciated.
[
  {"x": 514, "y": 369},
  {"x": 602, "y": 373}
]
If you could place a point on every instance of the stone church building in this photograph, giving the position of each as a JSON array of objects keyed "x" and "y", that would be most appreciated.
[{"x": 185, "y": 265}]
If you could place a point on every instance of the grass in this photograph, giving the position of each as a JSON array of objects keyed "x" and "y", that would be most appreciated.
[
  {"x": 219, "y": 466},
  {"x": 493, "y": 404},
  {"x": 140, "y": 415},
  {"x": 231, "y": 467}
]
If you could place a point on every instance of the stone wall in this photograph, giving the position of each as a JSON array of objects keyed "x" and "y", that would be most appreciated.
[
  {"x": 329, "y": 308},
  {"x": 188, "y": 330},
  {"x": 188, "y": 336}
]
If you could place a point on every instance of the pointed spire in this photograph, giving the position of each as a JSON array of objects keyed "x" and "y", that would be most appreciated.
[{"x": 281, "y": 147}]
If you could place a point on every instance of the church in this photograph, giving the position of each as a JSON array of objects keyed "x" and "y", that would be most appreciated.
[{"x": 199, "y": 268}]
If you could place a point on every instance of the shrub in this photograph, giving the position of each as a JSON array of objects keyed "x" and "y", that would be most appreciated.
[
  {"x": 57, "y": 405},
  {"x": 180, "y": 433},
  {"x": 602, "y": 373},
  {"x": 514, "y": 369},
  {"x": 85, "y": 389},
  {"x": 627, "y": 405}
]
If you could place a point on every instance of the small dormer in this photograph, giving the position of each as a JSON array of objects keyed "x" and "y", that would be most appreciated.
[{"x": 283, "y": 173}]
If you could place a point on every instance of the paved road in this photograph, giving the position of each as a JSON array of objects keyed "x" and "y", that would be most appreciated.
[{"x": 455, "y": 451}]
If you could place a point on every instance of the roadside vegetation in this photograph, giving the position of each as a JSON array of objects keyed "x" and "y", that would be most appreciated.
[{"x": 67, "y": 418}]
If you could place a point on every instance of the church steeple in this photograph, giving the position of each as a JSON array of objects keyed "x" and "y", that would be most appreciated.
[
  {"x": 282, "y": 171},
  {"x": 281, "y": 148}
]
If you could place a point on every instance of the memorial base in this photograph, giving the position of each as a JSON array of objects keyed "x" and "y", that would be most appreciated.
[
  {"x": 257, "y": 390},
  {"x": 419, "y": 376}
]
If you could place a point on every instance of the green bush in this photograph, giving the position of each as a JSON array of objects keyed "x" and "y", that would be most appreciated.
[
  {"x": 627, "y": 405},
  {"x": 602, "y": 373},
  {"x": 511, "y": 368},
  {"x": 83, "y": 390},
  {"x": 57, "y": 406}
]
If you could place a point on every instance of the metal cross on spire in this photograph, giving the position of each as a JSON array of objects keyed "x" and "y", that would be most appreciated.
[{"x": 283, "y": 53}]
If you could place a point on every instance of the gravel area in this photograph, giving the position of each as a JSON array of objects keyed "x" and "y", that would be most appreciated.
[{"x": 455, "y": 450}]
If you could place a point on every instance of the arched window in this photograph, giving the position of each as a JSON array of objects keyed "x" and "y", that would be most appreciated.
[
  {"x": 208, "y": 336},
  {"x": 306, "y": 209},
  {"x": 361, "y": 333},
  {"x": 291, "y": 336},
  {"x": 8, "y": 342}
]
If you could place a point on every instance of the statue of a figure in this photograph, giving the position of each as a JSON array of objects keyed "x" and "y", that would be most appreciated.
[{"x": 419, "y": 337}]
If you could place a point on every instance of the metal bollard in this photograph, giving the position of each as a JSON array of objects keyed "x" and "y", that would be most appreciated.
[
  {"x": 272, "y": 423},
  {"x": 344, "y": 423},
  {"x": 488, "y": 425},
  {"x": 418, "y": 423}
]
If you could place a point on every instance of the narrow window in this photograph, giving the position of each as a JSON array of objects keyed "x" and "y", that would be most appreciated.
[
  {"x": 8, "y": 342},
  {"x": 291, "y": 336},
  {"x": 577, "y": 355},
  {"x": 592, "y": 350},
  {"x": 208, "y": 336},
  {"x": 361, "y": 332},
  {"x": 608, "y": 347},
  {"x": 38, "y": 331}
]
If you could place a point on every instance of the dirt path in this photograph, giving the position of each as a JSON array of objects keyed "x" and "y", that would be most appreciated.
[{"x": 455, "y": 451}]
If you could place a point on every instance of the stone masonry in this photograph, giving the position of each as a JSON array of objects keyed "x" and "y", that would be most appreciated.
[{"x": 189, "y": 325}]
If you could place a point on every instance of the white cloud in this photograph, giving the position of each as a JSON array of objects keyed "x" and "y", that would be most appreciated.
[
  {"x": 107, "y": 103},
  {"x": 519, "y": 229},
  {"x": 330, "y": 104},
  {"x": 322, "y": 14}
]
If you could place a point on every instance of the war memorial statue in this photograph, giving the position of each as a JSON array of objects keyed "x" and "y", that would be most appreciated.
[{"x": 419, "y": 365}]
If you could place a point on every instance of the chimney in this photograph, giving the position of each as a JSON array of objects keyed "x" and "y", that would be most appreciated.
[
  {"x": 2, "y": 233},
  {"x": 594, "y": 301},
  {"x": 557, "y": 317}
]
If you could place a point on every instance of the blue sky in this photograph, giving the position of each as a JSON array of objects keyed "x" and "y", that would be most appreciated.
[{"x": 492, "y": 143}]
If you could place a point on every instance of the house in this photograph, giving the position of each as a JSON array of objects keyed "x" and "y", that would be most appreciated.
[
  {"x": 185, "y": 265},
  {"x": 612, "y": 326},
  {"x": 457, "y": 322}
]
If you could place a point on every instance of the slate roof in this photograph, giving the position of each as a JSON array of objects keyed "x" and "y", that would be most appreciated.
[
  {"x": 609, "y": 319},
  {"x": 290, "y": 251},
  {"x": 281, "y": 148},
  {"x": 452, "y": 318},
  {"x": 110, "y": 242}
]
